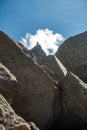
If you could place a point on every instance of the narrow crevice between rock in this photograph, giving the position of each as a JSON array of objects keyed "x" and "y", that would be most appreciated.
[{"x": 63, "y": 122}]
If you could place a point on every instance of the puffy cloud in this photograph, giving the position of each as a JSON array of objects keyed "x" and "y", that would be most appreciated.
[{"x": 48, "y": 40}]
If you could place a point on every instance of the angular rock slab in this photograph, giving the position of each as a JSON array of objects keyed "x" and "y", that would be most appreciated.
[
  {"x": 73, "y": 102},
  {"x": 56, "y": 66},
  {"x": 73, "y": 54},
  {"x": 36, "y": 98}
]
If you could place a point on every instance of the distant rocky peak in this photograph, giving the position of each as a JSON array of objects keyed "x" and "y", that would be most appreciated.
[
  {"x": 38, "y": 51},
  {"x": 37, "y": 47}
]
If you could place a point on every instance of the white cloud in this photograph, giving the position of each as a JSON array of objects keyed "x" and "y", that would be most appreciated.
[{"x": 48, "y": 40}]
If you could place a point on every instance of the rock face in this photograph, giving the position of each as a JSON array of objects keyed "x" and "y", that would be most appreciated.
[
  {"x": 48, "y": 71},
  {"x": 8, "y": 83},
  {"x": 2, "y": 127},
  {"x": 9, "y": 120},
  {"x": 27, "y": 52},
  {"x": 56, "y": 66},
  {"x": 73, "y": 54},
  {"x": 38, "y": 52},
  {"x": 36, "y": 98},
  {"x": 73, "y": 96},
  {"x": 46, "y": 94}
]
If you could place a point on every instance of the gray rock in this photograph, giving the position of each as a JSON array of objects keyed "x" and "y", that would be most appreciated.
[
  {"x": 48, "y": 71},
  {"x": 7, "y": 115},
  {"x": 38, "y": 52},
  {"x": 53, "y": 63},
  {"x": 27, "y": 52},
  {"x": 25, "y": 127},
  {"x": 2, "y": 127},
  {"x": 8, "y": 83},
  {"x": 10, "y": 120},
  {"x": 73, "y": 95},
  {"x": 36, "y": 98},
  {"x": 73, "y": 54}
]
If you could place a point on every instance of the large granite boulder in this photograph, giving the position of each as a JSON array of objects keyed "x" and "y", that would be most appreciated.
[
  {"x": 73, "y": 54},
  {"x": 53, "y": 63},
  {"x": 73, "y": 97},
  {"x": 36, "y": 98},
  {"x": 8, "y": 83},
  {"x": 9, "y": 120}
]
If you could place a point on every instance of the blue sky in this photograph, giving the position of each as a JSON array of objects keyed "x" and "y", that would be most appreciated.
[{"x": 67, "y": 17}]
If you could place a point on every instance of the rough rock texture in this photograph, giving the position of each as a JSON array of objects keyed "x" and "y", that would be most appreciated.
[
  {"x": 73, "y": 54},
  {"x": 24, "y": 126},
  {"x": 56, "y": 66},
  {"x": 33, "y": 126},
  {"x": 20, "y": 127},
  {"x": 2, "y": 127},
  {"x": 73, "y": 96},
  {"x": 37, "y": 99},
  {"x": 8, "y": 83},
  {"x": 38, "y": 52},
  {"x": 9, "y": 120}
]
